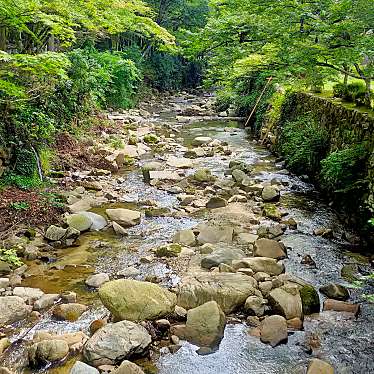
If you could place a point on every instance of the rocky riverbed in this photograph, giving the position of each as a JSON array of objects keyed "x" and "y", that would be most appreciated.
[{"x": 192, "y": 250}]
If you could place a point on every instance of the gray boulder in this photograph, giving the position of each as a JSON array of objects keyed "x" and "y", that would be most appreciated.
[
  {"x": 286, "y": 301},
  {"x": 215, "y": 234},
  {"x": 229, "y": 290},
  {"x": 221, "y": 256},
  {"x": 47, "y": 351},
  {"x": 273, "y": 330},
  {"x": 79, "y": 222},
  {"x": 205, "y": 325},
  {"x": 98, "y": 221},
  {"x": 97, "y": 280},
  {"x": 270, "y": 194},
  {"x": 12, "y": 309},
  {"x": 55, "y": 233},
  {"x": 115, "y": 342},
  {"x": 136, "y": 301},
  {"x": 269, "y": 248}
]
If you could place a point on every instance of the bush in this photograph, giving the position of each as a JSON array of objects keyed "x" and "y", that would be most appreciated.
[
  {"x": 340, "y": 90},
  {"x": 354, "y": 92},
  {"x": 342, "y": 170},
  {"x": 303, "y": 144}
]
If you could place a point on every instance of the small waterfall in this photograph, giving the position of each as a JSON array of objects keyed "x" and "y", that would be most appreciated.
[{"x": 40, "y": 172}]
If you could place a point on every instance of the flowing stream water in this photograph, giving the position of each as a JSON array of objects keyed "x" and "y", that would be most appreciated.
[{"x": 345, "y": 342}]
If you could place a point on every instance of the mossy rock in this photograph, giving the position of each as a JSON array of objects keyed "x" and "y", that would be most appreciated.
[
  {"x": 133, "y": 140},
  {"x": 272, "y": 212},
  {"x": 203, "y": 176},
  {"x": 157, "y": 212},
  {"x": 170, "y": 250},
  {"x": 310, "y": 299},
  {"x": 151, "y": 139}
]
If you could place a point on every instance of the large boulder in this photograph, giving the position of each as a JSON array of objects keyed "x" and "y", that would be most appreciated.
[
  {"x": 205, "y": 325},
  {"x": 98, "y": 221},
  {"x": 115, "y": 342},
  {"x": 82, "y": 368},
  {"x": 215, "y": 234},
  {"x": 55, "y": 233},
  {"x": 12, "y": 309},
  {"x": 229, "y": 290},
  {"x": 310, "y": 299},
  {"x": 124, "y": 217},
  {"x": 255, "y": 305},
  {"x": 270, "y": 193},
  {"x": 216, "y": 202},
  {"x": 286, "y": 302},
  {"x": 47, "y": 351},
  {"x": 79, "y": 222},
  {"x": 221, "y": 256},
  {"x": 260, "y": 264},
  {"x": 136, "y": 301},
  {"x": 273, "y": 330},
  {"x": 185, "y": 237},
  {"x": 29, "y": 294},
  {"x": 335, "y": 291},
  {"x": 269, "y": 248}
]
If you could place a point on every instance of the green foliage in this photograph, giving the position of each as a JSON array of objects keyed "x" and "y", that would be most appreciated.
[
  {"x": 54, "y": 199},
  {"x": 303, "y": 144},
  {"x": 20, "y": 181},
  {"x": 10, "y": 256},
  {"x": 340, "y": 90},
  {"x": 342, "y": 170},
  {"x": 20, "y": 205}
]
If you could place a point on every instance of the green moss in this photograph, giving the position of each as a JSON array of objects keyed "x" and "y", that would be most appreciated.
[
  {"x": 170, "y": 250},
  {"x": 151, "y": 139},
  {"x": 310, "y": 299}
]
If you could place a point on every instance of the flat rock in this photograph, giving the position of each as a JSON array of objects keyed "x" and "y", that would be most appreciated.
[
  {"x": 29, "y": 294},
  {"x": 219, "y": 256},
  {"x": 179, "y": 162},
  {"x": 273, "y": 330},
  {"x": 215, "y": 234},
  {"x": 115, "y": 342},
  {"x": 263, "y": 264},
  {"x": 201, "y": 140},
  {"x": 229, "y": 290},
  {"x": 124, "y": 217},
  {"x": 246, "y": 238},
  {"x": 269, "y": 248},
  {"x": 46, "y": 301},
  {"x": 136, "y": 301}
]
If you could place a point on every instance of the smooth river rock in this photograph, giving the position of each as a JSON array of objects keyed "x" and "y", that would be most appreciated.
[
  {"x": 221, "y": 256},
  {"x": 229, "y": 290},
  {"x": 136, "y": 301},
  {"x": 124, "y": 217},
  {"x": 82, "y": 368},
  {"x": 317, "y": 366},
  {"x": 115, "y": 342},
  {"x": 335, "y": 291},
  {"x": 286, "y": 304},
  {"x": 205, "y": 325},
  {"x": 273, "y": 330}
]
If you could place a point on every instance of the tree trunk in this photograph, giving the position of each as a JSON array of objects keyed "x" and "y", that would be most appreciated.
[
  {"x": 51, "y": 43},
  {"x": 368, "y": 92},
  {"x": 3, "y": 41}
]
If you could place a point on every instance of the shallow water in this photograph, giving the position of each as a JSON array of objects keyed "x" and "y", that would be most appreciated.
[{"x": 346, "y": 343}]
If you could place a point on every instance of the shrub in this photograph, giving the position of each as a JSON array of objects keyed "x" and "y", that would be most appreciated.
[
  {"x": 340, "y": 90},
  {"x": 10, "y": 256},
  {"x": 342, "y": 170},
  {"x": 303, "y": 144}
]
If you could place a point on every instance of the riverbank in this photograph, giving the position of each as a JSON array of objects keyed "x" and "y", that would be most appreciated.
[{"x": 236, "y": 218}]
